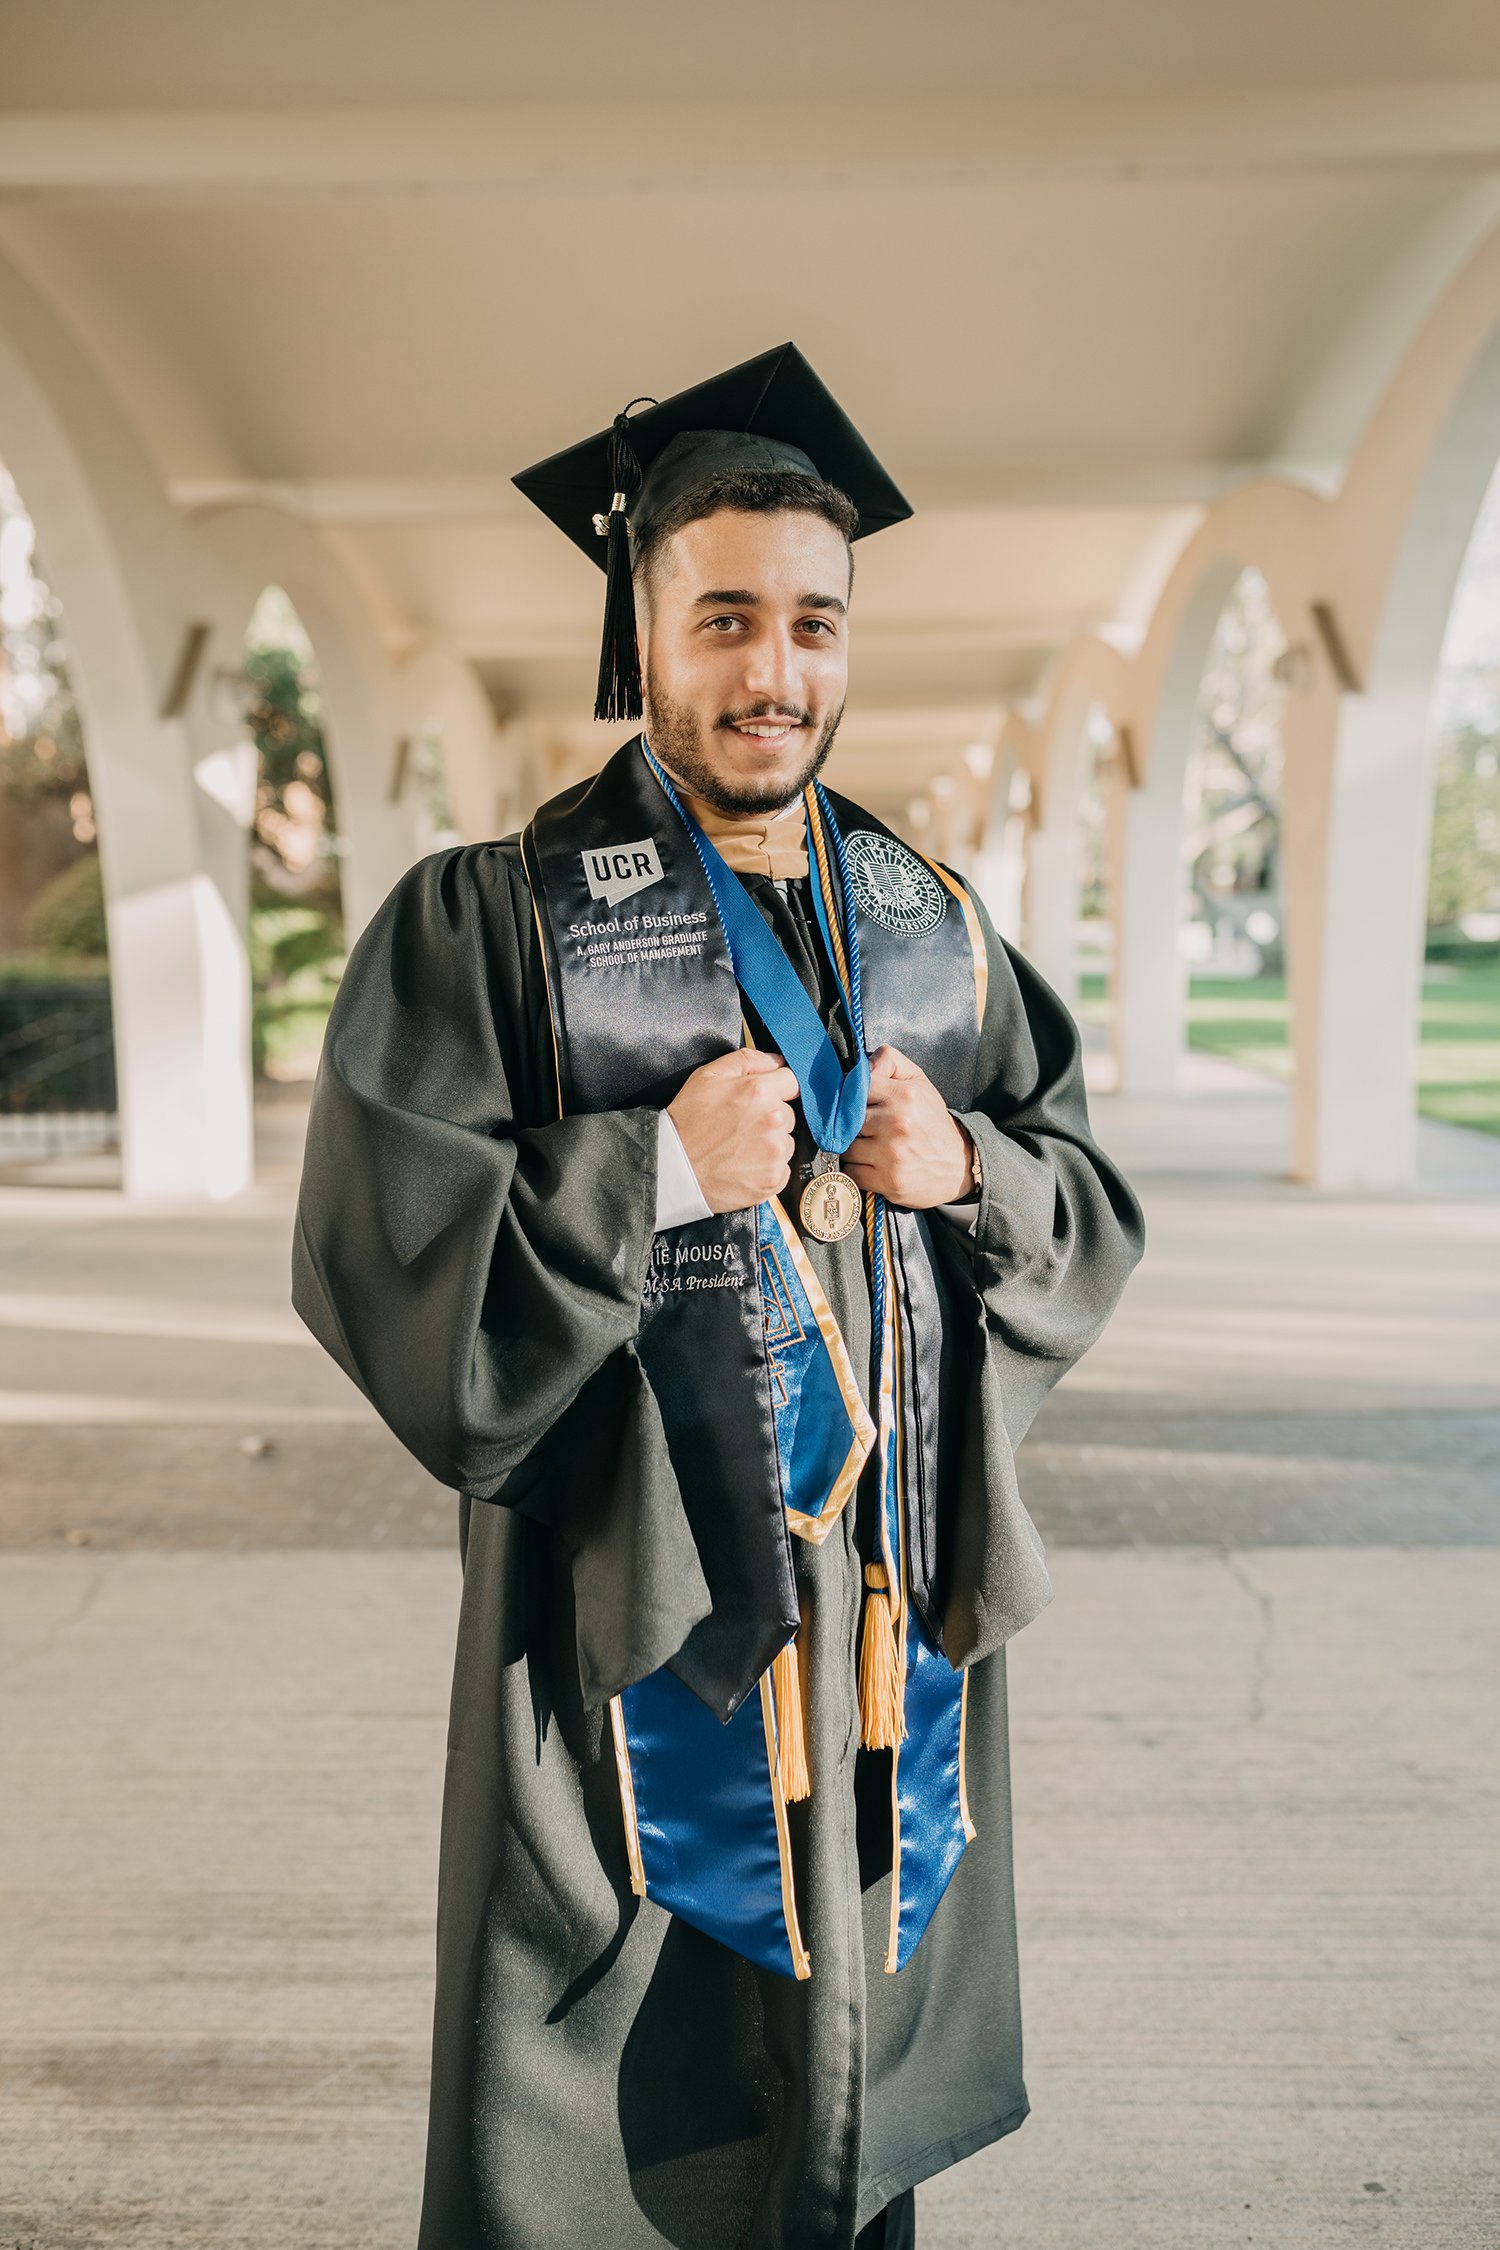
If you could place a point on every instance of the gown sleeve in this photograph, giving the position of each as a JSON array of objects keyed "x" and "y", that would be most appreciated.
[
  {"x": 1058, "y": 1233},
  {"x": 475, "y": 1264}
]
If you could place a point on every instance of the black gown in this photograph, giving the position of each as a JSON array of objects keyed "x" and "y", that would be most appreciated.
[{"x": 603, "y": 2072}]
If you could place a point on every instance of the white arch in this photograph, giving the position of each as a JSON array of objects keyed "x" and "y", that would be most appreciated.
[
  {"x": 141, "y": 588},
  {"x": 241, "y": 549},
  {"x": 1363, "y": 585},
  {"x": 1000, "y": 857},
  {"x": 1149, "y": 981},
  {"x": 114, "y": 554},
  {"x": 1092, "y": 675},
  {"x": 437, "y": 690},
  {"x": 1377, "y": 809},
  {"x": 1285, "y": 533}
]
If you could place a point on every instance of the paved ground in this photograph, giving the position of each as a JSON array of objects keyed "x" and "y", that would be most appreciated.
[{"x": 1258, "y": 1811}]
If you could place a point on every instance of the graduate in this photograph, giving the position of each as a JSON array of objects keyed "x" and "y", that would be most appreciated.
[{"x": 699, "y": 1185}]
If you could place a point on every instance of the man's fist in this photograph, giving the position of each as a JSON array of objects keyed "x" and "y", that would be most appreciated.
[
  {"x": 909, "y": 1149},
  {"x": 734, "y": 1118}
]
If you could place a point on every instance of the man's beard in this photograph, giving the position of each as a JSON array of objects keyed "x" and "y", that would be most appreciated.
[{"x": 675, "y": 736}]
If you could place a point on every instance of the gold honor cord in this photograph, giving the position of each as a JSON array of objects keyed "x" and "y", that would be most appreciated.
[{"x": 882, "y": 1715}]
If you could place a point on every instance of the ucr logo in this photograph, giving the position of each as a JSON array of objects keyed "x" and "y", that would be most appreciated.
[{"x": 617, "y": 871}]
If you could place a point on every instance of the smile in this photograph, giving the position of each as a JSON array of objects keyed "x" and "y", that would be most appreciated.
[{"x": 766, "y": 730}]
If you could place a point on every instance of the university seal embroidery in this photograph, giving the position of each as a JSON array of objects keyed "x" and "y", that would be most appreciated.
[{"x": 891, "y": 885}]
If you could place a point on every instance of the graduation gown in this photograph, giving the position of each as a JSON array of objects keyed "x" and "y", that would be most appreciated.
[{"x": 602, "y": 2071}]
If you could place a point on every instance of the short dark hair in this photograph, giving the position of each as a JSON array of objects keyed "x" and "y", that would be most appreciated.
[{"x": 750, "y": 492}]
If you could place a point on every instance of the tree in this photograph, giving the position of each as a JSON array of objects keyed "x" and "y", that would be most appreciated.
[
  {"x": 294, "y": 847},
  {"x": 1464, "y": 872}
]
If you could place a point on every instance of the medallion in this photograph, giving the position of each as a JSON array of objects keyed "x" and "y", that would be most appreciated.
[{"x": 831, "y": 1205}]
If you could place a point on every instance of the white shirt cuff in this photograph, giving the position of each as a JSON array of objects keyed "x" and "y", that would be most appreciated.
[
  {"x": 679, "y": 1199},
  {"x": 964, "y": 1215}
]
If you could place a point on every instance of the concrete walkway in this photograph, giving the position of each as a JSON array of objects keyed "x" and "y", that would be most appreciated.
[{"x": 1257, "y": 1800}]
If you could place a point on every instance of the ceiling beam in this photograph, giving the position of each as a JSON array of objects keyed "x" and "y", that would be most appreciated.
[
  {"x": 1444, "y": 128},
  {"x": 1038, "y": 481}
]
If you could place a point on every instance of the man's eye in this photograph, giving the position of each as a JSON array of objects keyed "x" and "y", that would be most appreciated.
[
  {"x": 816, "y": 625},
  {"x": 715, "y": 622}
]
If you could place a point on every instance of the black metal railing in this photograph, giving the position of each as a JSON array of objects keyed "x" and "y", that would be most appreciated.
[{"x": 57, "y": 1048}]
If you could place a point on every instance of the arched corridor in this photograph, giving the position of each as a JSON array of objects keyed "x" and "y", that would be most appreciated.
[
  {"x": 994, "y": 632},
  {"x": 1180, "y": 330}
]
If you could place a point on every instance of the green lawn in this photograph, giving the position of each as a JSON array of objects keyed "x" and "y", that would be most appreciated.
[{"x": 1458, "y": 1057}]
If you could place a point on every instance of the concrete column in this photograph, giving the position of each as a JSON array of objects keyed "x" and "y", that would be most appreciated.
[
  {"x": 438, "y": 693},
  {"x": 115, "y": 555},
  {"x": 1367, "y": 793},
  {"x": 1149, "y": 984},
  {"x": 1361, "y": 1129},
  {"x": 1054, "y": 866},
  {"x": 999, "y": 869},
  {"x": 1309, "y": 730},
  {"x": 1061, "y": 764},
  {"x": 944, "y": 839}
]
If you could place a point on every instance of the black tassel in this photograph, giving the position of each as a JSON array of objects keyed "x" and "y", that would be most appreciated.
[{"x": 619, "y": 690}]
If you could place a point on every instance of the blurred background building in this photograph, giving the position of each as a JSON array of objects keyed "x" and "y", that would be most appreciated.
[{"x": 1182, "y": 332}]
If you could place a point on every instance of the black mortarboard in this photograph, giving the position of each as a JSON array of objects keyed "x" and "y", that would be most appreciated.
[{"x": 771, "y": 412}]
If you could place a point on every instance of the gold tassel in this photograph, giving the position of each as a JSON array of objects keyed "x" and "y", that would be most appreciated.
[
  {"x": 882, "y": 1721},
  {"x": 791, "y": 1723}
]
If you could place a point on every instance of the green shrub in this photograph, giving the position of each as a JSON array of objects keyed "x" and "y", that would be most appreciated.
[
  {"x": 1450, "y": 944},
  {"x": 67, "y": 914},
  {"x": 296, "y": 959}
]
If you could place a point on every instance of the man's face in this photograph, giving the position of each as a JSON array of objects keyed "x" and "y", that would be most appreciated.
[{"x": 745, "y": 655}]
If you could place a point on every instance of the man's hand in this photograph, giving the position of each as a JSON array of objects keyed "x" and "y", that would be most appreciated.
[
  {"x": 734, "y": 1118},
  {"x": 910, "y": 1148}
]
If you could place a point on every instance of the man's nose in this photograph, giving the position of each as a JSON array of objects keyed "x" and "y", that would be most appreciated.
[{"x": 771, "y": 670}]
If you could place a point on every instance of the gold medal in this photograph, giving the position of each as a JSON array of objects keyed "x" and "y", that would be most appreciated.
[{"x": 831, "y": 1205}]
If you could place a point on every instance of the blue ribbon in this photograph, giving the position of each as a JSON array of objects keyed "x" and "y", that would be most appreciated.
[
  {"x": 704, "y": 1796},
  {"x": 833, "y": 1100},
  {"x": 833, "y": 1104}
]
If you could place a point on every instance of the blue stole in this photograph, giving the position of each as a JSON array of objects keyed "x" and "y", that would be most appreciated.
[{"x": 763, "y": 1415}]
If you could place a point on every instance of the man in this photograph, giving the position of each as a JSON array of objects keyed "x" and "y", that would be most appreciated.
[{"x": 700, "y": 1185}]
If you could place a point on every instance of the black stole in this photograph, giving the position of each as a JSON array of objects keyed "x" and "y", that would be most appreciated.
[{"x": 641, "y": 992}]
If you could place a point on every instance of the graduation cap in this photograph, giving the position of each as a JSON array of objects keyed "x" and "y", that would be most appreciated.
[{"x": 771, "y": 412}]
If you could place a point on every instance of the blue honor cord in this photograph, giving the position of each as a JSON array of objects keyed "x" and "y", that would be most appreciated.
[{"x": 833, "y": 1100}]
